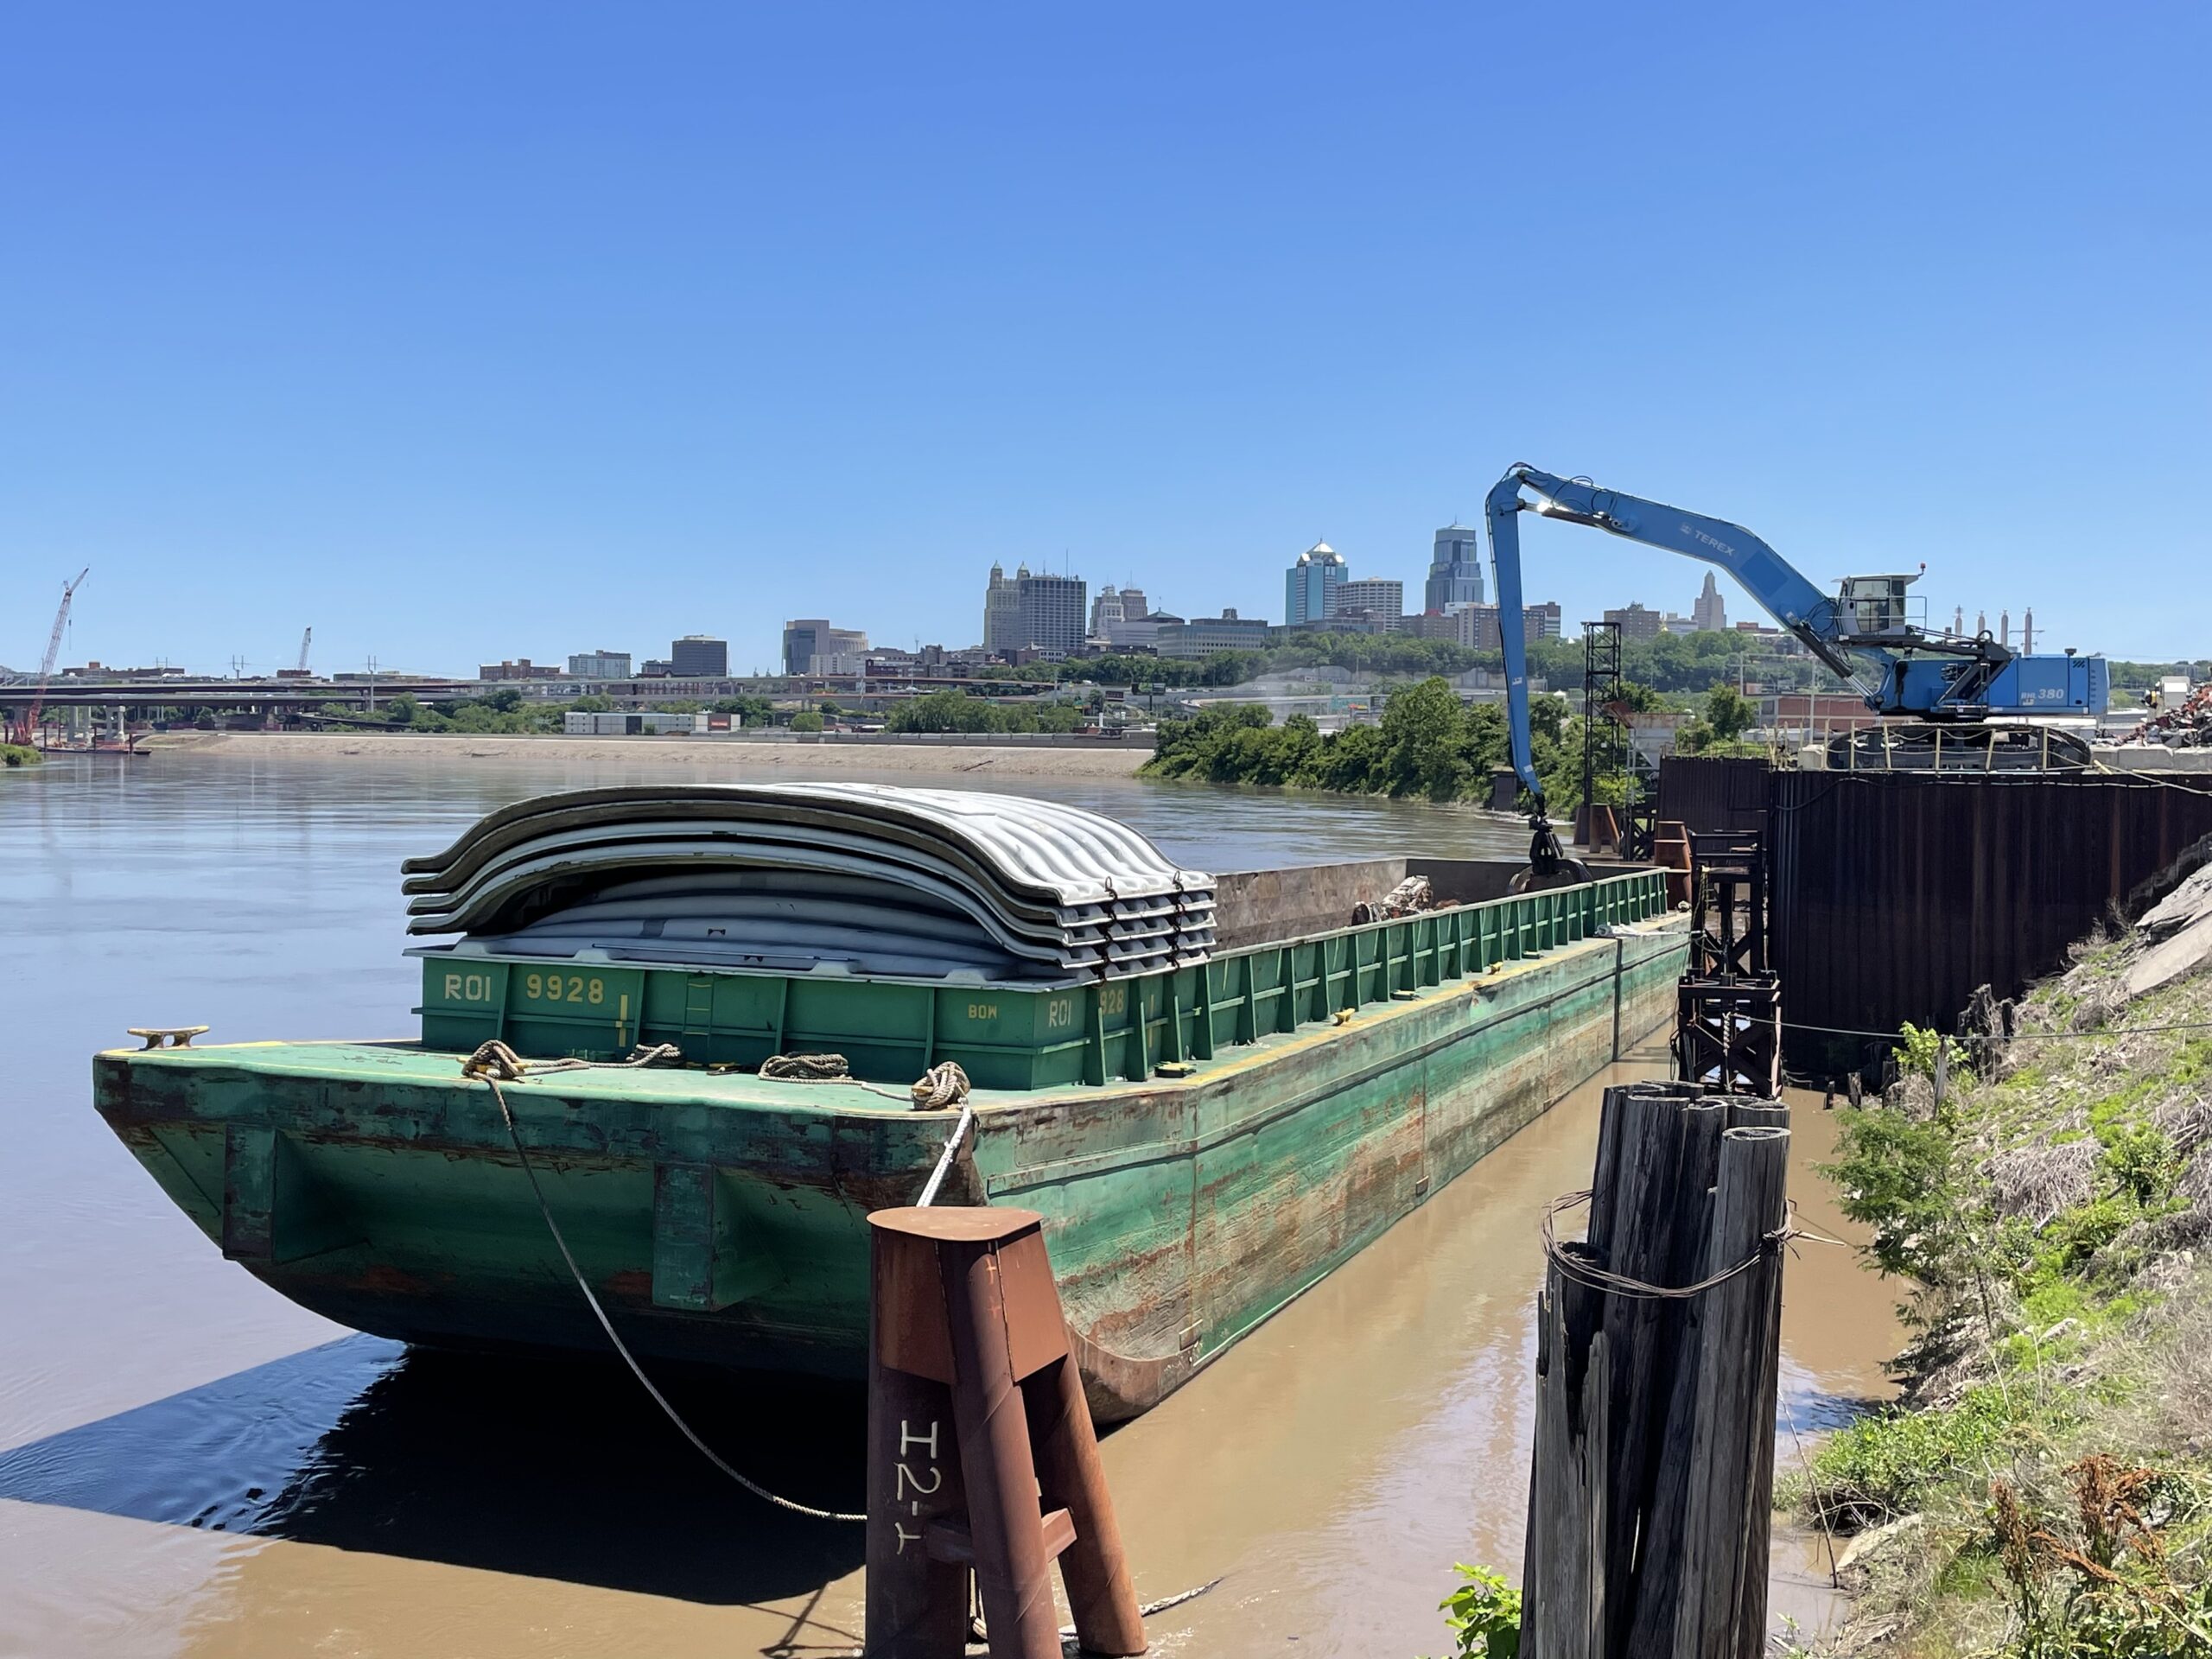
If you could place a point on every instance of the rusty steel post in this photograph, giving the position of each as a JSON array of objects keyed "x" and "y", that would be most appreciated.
[
  {"x": 1096, "y": 1569},
  {"x": 1014, "y": 1570},
  {"x": 966, "y": 1315},
  {"x": 917, "y": 1606}
]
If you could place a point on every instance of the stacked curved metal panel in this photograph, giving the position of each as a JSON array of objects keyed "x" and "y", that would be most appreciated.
[{"x": 859, "y": 878}]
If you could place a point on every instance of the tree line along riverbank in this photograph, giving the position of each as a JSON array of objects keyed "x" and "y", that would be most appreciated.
[{"x": 1429, "y": 743}]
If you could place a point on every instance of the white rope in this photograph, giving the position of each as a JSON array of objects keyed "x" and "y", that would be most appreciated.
[
  {"x": 944, "y": 1159},
  {"x": 485, "y": 1064},
  {"x": 494, "y": 1062}
]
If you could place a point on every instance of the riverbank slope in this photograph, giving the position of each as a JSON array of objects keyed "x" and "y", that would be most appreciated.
[{"x": 2045, "y": 1485}]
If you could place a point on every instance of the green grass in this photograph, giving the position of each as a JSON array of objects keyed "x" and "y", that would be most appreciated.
[
  {"x": 17, "y": 754},
  {"x": 1885, "y": 1465}
]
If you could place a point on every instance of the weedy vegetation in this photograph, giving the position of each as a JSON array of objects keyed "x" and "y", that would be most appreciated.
[{"x": 2043, "y": 1487}]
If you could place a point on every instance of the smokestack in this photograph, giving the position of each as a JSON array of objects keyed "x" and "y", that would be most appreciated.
[
  {"x": 2028, "y": 631},
  {"x": 2004, "y": 628},
  {"x": 1980, "y": 623}
]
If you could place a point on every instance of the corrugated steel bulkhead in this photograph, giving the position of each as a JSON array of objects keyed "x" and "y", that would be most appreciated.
[{"x": 1895, "y": 896}]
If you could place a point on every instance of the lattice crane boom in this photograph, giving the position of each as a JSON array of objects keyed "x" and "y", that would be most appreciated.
[{"x": 28, "y": 732}]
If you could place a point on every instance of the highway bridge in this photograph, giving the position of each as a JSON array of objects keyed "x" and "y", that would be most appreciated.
[
  {"x": 292, "y": 694},
  {"x": 227, "y": 695}
]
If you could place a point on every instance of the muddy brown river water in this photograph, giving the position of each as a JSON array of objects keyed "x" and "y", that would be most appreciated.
[{"x": 191, "y": 1465}]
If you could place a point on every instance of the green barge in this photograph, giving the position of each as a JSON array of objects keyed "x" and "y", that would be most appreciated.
[{"x": 1206, "y": 1141}]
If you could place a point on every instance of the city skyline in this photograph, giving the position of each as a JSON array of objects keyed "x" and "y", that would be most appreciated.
[{"x": 1069, "y": 598}]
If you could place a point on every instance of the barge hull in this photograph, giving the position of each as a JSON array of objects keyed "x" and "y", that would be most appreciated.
[{"x": 720, "y": 1218}]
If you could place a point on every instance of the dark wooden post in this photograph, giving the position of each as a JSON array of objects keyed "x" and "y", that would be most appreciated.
[
  {"x": 1014, "y": 1570},
  {"x": 1671, "y": 1400},
  {"x": 1649, "y": 1494},
  {"x": 1563, "y": 1577},
  {"x": 967, "y": 1304},
  {"x": 1723, "y": 1591}
]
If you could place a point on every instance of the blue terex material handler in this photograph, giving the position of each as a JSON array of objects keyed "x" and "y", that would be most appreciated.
[{"x": 1862, "y": 632}]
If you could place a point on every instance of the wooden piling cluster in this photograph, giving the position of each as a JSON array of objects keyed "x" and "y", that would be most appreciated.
[{"x": 1658, "y": 1341}]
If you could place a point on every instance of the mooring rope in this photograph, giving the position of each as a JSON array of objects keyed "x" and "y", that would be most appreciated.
[
  {"x": 943, "y": 1085},
  {"x": 495, "y": 1062},
  {"x": 944, "y": 1159},
  {"x": 1584, "y": 1272},
  {"x": 806, "y": 1068},
  {"x": 488, "y": 1066}
]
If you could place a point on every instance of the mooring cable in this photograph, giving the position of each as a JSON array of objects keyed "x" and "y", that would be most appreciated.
[
  {"x": 2093, "y": 1035},
  {"x": 514, "y": 1136},
  {"x": 1584, "y": 1272},
  {"x": 940, "y": 1085}
]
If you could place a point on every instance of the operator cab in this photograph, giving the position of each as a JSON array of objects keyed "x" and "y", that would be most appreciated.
[{"x": 1876, "y": 606}]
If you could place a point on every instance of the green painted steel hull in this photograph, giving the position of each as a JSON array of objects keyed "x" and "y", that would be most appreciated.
[{"x": 721, "y": 1216}]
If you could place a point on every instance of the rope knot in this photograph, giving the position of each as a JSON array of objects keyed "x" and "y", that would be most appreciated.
[{"x": 943, "y": 1085}]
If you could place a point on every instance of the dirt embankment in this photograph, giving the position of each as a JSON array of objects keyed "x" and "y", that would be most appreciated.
[
  {"x": 2045, "y": 1487},
  {"x": 715, "y": 756}
]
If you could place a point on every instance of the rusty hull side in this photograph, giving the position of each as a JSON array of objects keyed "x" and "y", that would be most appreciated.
[{"x": 1182, "y": 1215}]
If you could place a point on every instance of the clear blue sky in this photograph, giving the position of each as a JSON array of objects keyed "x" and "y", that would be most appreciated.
[{"x": 483, "y": 331}]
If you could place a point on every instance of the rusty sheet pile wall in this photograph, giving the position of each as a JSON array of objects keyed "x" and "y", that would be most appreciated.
[
  {"x": 1710, "y": 794},
  {"x": 1896, "y": 896}
]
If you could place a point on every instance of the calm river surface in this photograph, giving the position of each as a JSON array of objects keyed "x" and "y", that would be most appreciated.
[{"x": 191, "y": 1464}]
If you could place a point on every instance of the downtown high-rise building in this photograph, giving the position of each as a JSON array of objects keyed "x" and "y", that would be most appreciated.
[
  {"x": 813, "y": 646},
  {"x": 1002, "y": 608},
  {"x": 1637, "y": 621},
  {"x": 1709, "y": 614},
  {"x": 1382, "y": 597},
  {"x": 1035, "y": 613},
  {"x": 1049, "y": 613},
  {"x": 1480, "y": 629},
  {"x": 601, "y": 664},
  {"x": 1306, "y": 585},
  {"x": 1455, "y": 571},
  {"x": 1114, "y": 607},
  {"x": 699, "y": 656}
]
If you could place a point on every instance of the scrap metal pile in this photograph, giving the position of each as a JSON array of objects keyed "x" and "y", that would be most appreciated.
[
  {"x": 2187, "y": 725},
  {"x": 805, "y": 878}
]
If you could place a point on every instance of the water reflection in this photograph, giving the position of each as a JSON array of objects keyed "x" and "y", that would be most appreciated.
[{"x": 554, "y": 1469}]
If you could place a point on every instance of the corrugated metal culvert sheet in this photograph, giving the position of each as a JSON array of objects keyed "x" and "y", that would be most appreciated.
[
  {"x": 770, "y": 876},
  {"x": 1896, "y": 896},
  {"x": 1061, "y": 854}
]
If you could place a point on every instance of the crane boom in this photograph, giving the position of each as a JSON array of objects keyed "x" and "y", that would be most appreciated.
[
  {"x": 28, "y": 732},
  {"x": 1862, "y": 633},
  {"x": 306, "y": 639}
]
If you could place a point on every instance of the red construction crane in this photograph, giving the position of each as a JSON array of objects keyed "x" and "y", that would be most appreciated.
[{"x": 27, "y": 731}]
